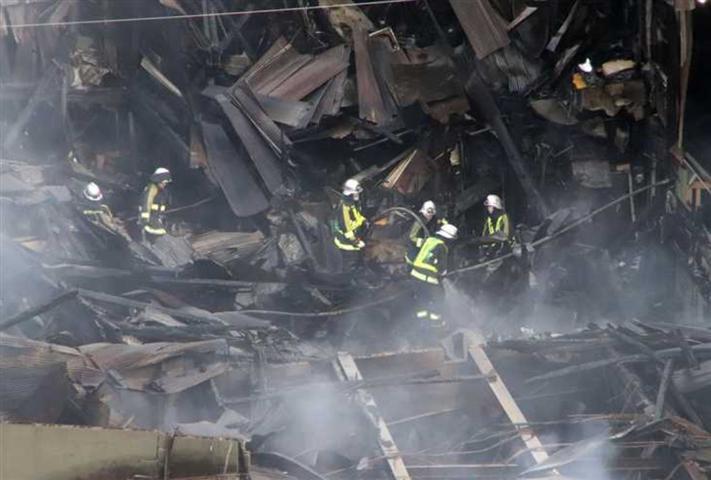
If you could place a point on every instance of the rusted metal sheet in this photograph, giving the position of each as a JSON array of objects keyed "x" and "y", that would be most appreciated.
[
  {"x": 313, "y": 74},
  {"x": 483, "y": 26},
  {"x": 370, "y": 100},
  {"x": 274, "y": 67},
  {"x": 383, "y": 56}
]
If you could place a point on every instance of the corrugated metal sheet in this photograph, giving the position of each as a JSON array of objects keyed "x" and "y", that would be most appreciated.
[
  {"x": 293, "y": 113},
  {"x": 161, "y": 367},
  {"x": 313, "y": 74},
  {"x": 231, "y": 171},
  {"x": 263, "y": 157},
  {"x": 274, "y": 67},
  {"x": 121, "y": 356},
  {"x": 370, "y": 100},
  {"x": 332, "y": 98},
  {"x": 34, "y": 384}
]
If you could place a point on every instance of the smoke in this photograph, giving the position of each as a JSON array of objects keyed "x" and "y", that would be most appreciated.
[{"x": 594, "y": 455}]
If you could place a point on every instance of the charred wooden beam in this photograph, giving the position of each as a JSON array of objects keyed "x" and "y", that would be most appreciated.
[
  {"x": 635, "y": 388},
  {"x": 485, "y": 105},
  {"x": 704, "y": 348},
  {"x": 239, "y": 321},
  {"x": 688, "y": 353},
  {"x": 38, "y": 310},
  {"x": 679, "y": 397},
  {"x": 505, "y": 399},
  {"x": 347, "y": 369},
  {"x": 483, "y": 26},
  {"x": 49, "y": 81},
  {"x": 663, "y": 387}
]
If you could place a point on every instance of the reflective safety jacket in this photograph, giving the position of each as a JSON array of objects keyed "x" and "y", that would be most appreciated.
[
  {"x": 497, "y": 223},
  {"x": 417, "y": 235},
  {"x": 95, "y": 210},
  {"x": 154, "y": 203},
  {"x": 348, "y": 225},
  {"x": 431, "y": 261}
]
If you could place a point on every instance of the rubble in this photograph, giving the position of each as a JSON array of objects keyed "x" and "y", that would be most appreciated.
[{"x": 579, "y": 349}]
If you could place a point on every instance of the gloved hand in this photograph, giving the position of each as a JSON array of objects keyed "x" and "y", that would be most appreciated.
[{"x": 360, "y": 244}]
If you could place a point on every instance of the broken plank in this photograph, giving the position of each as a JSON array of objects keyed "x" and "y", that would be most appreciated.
[
  {"x": 347, "y": 369},
  {"x": 505, "y": 399}
]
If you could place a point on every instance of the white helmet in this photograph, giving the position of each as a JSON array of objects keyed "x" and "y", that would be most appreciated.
[
  {"x": 428, "y": 208},
  {"x": 586, "y": 66},
  {"x": 448, "y": 231},
  {"x": 161, "y": 175},
  {"x": 352, "y": 187},
  {"x": 92, "y": 192},
  {"x": 493, "y": 201}
]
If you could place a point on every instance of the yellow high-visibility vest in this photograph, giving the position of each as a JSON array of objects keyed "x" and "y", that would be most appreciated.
[{"x": 426, "y": 266}]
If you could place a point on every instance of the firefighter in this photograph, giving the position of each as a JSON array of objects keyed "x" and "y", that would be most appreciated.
[
  {"x": 154, "y": 203},
  {"x": 92, "y": 206},
  {"x": 497, "y": 230},
  {"x": 349, "y": 224},
  {"x": 428, "y": 268},
  {"x": 417, "y": 236}
]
